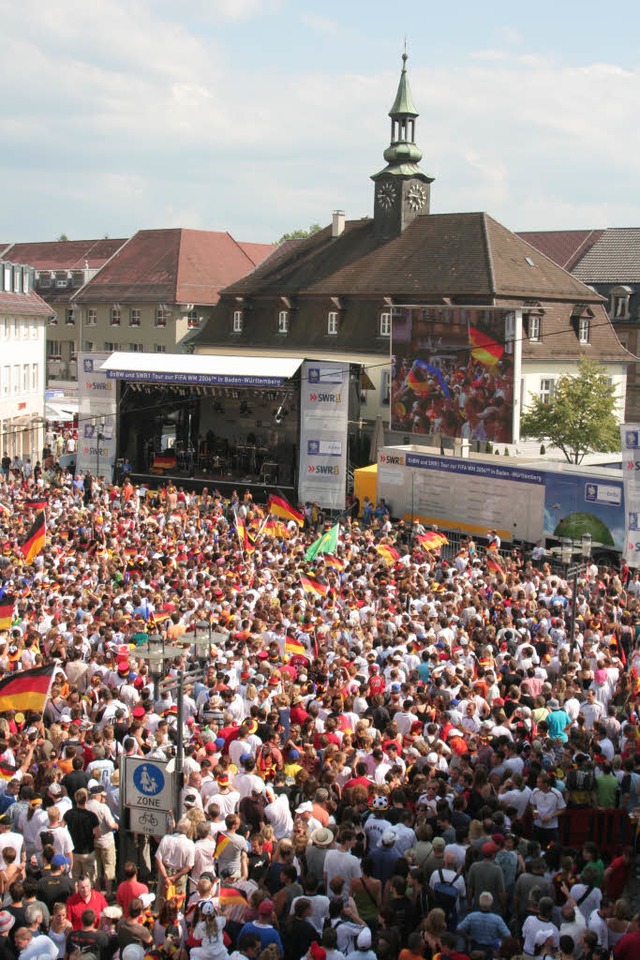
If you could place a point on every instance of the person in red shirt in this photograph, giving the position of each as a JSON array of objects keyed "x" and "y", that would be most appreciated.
[
  {"x": 628, "y": 947},
  {"x": 617, "y": 873},
  {"x": 376, "y": 682},
  {"x": 84, "y": 899},
  {"x": 130, "y": 887}
]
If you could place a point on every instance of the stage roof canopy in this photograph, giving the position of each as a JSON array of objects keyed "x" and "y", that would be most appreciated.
[{"x": 191, "y": 370}]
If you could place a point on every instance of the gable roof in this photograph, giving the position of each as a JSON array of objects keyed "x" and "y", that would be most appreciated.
[
  {"x": 464, "y": 256},
  {"x": 614, "y": 258},
  {"x": 565, "y": 247},
  {"x": 23, "y": 304},
  {"x": 176, "y": 266},
  {"x": 63, "y": 254}
]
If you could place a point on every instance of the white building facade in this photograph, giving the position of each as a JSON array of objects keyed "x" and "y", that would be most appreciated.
[{"x": 23, "y": 319}]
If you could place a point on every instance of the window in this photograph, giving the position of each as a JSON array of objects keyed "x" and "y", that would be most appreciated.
[
  {"x": 35, "y": 377},
  {"x": 385, "y": 386},
  {"x": 5, "y": 327},
  {"x": 193, "y": 319},
  {"x": 385, "y": 324},
  {"x": 7, "y": 277},
  {"x": 92, "y": 317},
  {"x": 111, "y": 346},
  {"x": 116, "y": 315},
  {"x": 160, "y": 348},
  {"x": 54, "y": 348},
  {"x": 136, "y": 348},
  {"x": 44, "y": 280},
  {"x": 534, "y": 329},
  {"x": 161, "y": 316},
  {"x": 89, "y": 346},
  {"x": 332, "y": 323},
  {"x": 237, "y": 321},
  {"x": 283, "y": 321},
  {"x": 25, "y": 378},
  {"x": 135, "y": 317},
  {"x": 34, "y": 330},
  {"x": 620, "y": 299},
  {"x": 17, "y": 279},
  {"x": 16, "y": 378},
  {"x": 6, "y": 380},
  {"x": 584, "y": 329},
  {"x": 25, "y": 280},
  {"x": 546, "y": 389},
  {"x": 70, "y": 316}
]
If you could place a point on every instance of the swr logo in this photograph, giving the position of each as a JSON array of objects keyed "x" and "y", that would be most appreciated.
[
  {"x": 323, "y": 469},
  {"x": 325, "y": 397}
]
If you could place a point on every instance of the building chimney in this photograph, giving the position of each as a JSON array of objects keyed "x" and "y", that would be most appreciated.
[{"x": 337, "y": 227}]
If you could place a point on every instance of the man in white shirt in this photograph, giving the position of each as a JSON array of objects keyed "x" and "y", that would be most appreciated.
[{"x": 341, "y": 862}]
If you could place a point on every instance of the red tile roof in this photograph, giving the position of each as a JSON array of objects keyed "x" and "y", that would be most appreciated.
[
  {"x": 174, "y": 266},
  {"x": 63, "y": 254},
  {"x": 24, "y": 304},
  {"x": 565, "y": 247}
]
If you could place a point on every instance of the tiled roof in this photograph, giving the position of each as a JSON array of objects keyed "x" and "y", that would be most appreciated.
[
  {"x": 256, "y": 252},
  {"x": 614, "y": 258},
  {"x": 175, "y": 266},
  {"x": 559, "y": 336},
  {"x": 23, "y": 305},
  {"x": 465, "y": 256},
  {"x": 564, "y": 247},
  {"x": 63, "y": 254}
]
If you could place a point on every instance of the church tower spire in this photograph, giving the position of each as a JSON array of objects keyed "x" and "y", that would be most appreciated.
[{"x": 402, "y": 188}]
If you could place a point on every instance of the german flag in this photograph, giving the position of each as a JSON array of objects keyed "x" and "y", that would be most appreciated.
[
  {"x": 34, "y": 541},
  {"x": 27, "y": 690},
  {"x": 230, "y": 897},
  {"x": 7, "y": 770},
  {"x": 6, "y": 612},
  {"x": 390, "y": 554},
  {"x": 281, "y": 508},
  {"x": 246, "y": 542},
  {"x": 222, "y": 844},
  {"x": 484, "y": 348},
  {"x": 494, "y": 566},
  {"x": 335, "y": 562},
  {"x": 36, "y": 503},
  {"x": 311, "y": 585},
  {"x": 293, "y": 646}
]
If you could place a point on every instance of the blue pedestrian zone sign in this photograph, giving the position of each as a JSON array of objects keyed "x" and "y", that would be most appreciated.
[
  {"x": 149, "y": 780},
  {"x": 149, "y": 783}
]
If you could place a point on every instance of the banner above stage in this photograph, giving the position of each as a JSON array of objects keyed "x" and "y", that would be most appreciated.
[{"x": 190, "y": 370}]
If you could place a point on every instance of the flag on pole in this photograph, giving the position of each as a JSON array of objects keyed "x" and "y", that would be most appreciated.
[
  {"x": 390, "y": 554},
  {"x": 494, "y": 566},
  {"x": 484, "y": 348},
  {"x": 431, "y": 540},
  {"x": 35, "y": 539},
  {"x": 334, "y": 562},
  {"x": 7, "y": 604},
  {"x": 36, "y": 503},
  {"x": 246, "y": 542},
  {"x": 27, "y": 690},
  {"x": 293, "y": 646},
  {"x": 311, "y": 585},
  {"x": 327, "y": 543},
  {"x": 282, "y": 508},
  {"x": 222, "y": 844}
]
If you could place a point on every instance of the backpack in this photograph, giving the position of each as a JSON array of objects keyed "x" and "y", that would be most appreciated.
[{"x": 445, "y": 896}]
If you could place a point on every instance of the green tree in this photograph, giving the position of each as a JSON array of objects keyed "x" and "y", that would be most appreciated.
[
  {"x": 63, "y": 236},
  {"x": 580, "y": 416},
  {"x": 300, "y": 234}
]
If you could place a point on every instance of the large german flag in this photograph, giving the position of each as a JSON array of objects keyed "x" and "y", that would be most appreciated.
[
  {"x": 7, "y": 604},
  {"x": 27, "y": 690},
  {"x": 311, "y": 585},
  {"x": 36, "y": 503},
  {"x": 484, "y": 348},
  {"x": 282, "y": 508},
  {"x": 34, "y": 541}
]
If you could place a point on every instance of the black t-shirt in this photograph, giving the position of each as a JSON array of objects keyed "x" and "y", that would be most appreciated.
[
  {"x": 81, "y": 824},
  {"x": 74, "y": 781},
  {"x": 54, "y": 888},
  {"x": 96, "y": 942}
]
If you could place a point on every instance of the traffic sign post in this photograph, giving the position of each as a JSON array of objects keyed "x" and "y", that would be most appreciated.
[
  {"x": 150, "y": 822},
  {"x": 149, "y": 784}
]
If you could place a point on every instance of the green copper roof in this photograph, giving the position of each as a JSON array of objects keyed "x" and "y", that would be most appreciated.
[{"x": 403, "y": 105}]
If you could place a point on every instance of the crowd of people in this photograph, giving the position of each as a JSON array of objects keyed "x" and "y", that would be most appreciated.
[{"x": 388, "y": 753}]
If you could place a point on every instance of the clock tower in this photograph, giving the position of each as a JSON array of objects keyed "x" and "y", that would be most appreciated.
[{"x": 402, "y": 189}]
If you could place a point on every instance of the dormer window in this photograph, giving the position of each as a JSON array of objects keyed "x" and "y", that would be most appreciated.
[
  {"x": 238, "y": 321},
  {"x": 584, "y": 330},
  {"x": 332, "y": 323},
  {"x": 534, "y": 328},
  {"x": 283, "y": 321},
  {"x": 620, "y": 301},
  {"x": 385, "y": 324}
]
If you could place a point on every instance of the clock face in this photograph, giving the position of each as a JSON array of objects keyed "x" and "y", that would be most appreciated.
[
  {"x": 417, "y": 197},
  {"x": 386, "y": 195}
]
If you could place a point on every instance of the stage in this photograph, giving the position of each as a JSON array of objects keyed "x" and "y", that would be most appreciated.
[{"x": 259, "y": 490}]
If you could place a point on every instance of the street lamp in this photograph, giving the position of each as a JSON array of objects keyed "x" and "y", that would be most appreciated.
[
  {"x": 202, "y": 639},
  {"x": 585, "y": 546},
  {"x": 156, "y": 662},
  {"x": 566, "y": 551}
]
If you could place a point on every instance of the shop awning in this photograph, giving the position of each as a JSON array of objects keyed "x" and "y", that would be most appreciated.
[{"x": 192, "y": 370}]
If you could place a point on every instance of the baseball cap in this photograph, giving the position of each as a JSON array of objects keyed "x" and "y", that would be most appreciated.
[
  {"x": 59, "y": 860},
  {"x": 266, "y": 908}
]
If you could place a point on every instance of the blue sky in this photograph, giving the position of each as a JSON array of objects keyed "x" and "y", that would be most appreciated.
[{"x": 259, "y": 116}]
